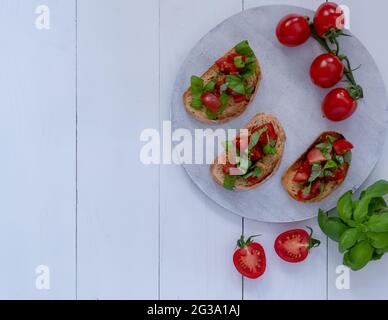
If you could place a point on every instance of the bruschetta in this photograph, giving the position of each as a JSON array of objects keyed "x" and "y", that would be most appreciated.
[
  {"x": 266, "y": 142},
  {"x": 226, "y": 89},
  {"x": 320, "y": 170}
]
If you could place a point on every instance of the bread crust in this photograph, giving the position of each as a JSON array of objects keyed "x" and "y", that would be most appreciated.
[
  {"x": 293, "y": 188},
  {"x": 269, "y": 164},
  {"x": 233, "y": 109}
]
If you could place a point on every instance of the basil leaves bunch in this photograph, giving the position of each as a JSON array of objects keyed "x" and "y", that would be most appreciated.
[{"x": 361, "y": 227}]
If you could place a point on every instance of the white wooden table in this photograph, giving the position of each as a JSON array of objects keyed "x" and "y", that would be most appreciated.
[{"x": 74, "y": 195}]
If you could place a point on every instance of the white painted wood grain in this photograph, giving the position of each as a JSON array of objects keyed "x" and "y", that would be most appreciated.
[
  {"x": 197, "y": 236},
  {"x": 118, "y": 84},
  {"x": 367, "y": 21},
  {"x": 37, "y": 142}
]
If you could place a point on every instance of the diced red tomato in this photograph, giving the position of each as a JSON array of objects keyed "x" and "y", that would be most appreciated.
[
  {"x": 315, "y": 156},
  {"x": 227, "y": 167},
  {"x": 238, "y": 98},
  {"x": 342, "y": 146},
  {"x": 304, "y": 172},
  {"x": 257, "y": 153},
  {"x": 253, "y": 180},
  {"x": 211, "y": 101},
  {"x": 226, "y": 66},
  {"x": 240, "y": 146},
  {"x": 313, "y": 193},
  {"x": 270, "y": 133},
  {"x": 339, "y": 174}
]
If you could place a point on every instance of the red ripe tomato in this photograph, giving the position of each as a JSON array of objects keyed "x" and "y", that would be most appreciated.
[
  {"x": 238, "y": 98},
  {"x": 249, "y": 259},
  {"x": 338, "y": 175},
  {"x": 293, "y": 30},
  {"x": 314, "y": 192},
  {"x": 226, "y": 65},
  {"x": 226, "y": 168},
  {"x": 338, "y": 105},
  {"x": 328, "y": 16},
  {"x": 326, "y": 70},
  {"x": 220, "y": 82},
  {"x": 294, "y": 245},
  {"x": 270, "y": 133},
  {"x": 211, "y": 101},
  {"x": 315, "y": 156},
  {"x": 304, "y": 172},
  {"x": 342, "y": 146},
  {"x": 256, "y": 153}
]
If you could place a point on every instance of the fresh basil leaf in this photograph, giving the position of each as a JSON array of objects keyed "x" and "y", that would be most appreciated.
[
  {"x": 361, "y": 211},
  {"x": 378, "y": 240},
  {"x": 210, "y": 86},
  {"x": 316, "y": 171},
  {"x": 307, "y": 190},
  {"x": 244, "y": 49},
  {"x": 224, "y": 99},
  {"x": 196, "y": 101},
  {"x": 348, "y": 157},
  {"x": 249, "y": 71},
  {"x": 376, "y": 205},
  {"x": 196, "y": 85},
  {"x": 378, "y": 223},
  {"x": 331, "y": 139},
  {"x": 250, "y": 90},
  {"x": 345, "y": 206},
  {"x": 255, "y": 173},
  {"x": 230, "y": 182},
  {"x": 255, "y": 137},
  {"x": 359, "y": 256},
  {"x": 379, "y": 189},
  {"x": 331, "y": 164},
  {"x": 236, "y": 84},
  {"x": 339, "y": 159},
  {"x": 239, "y": 62},
  {"x": 211, "y": 115},
  {"x": 326, "y": 149},
  {"x": 348, "y": 239},
  {"x": 333, "y": 227},
  {"x": 268, "y": 149},
  {"x": 250, "y": 60}
]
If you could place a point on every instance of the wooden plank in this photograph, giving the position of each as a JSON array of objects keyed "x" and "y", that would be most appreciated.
[
  {"x": 285, "y": 281},
  {"x": 37, "y": 140},
  {"x": 197, "y": 236},
  {"x": 371, "y": 282},
  {"x": 118, "y": 195}
]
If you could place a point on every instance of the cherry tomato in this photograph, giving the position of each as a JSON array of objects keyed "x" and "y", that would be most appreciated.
[
  {"x": 328, "y": 16},
  {"x": 294, "y": 245},
  {"x": 293, "y": 30},
  {"x": 226, "y": 65},
  {"x": 211, "y": 101},
  {"x": 326, "y": 70},
  {"x": 342, "y": 146},
  {"x": 304, "y": 172},
  {"x": 338, "y": 105},
  {"x": 315, "y": 156},
  {"x": 249, "y": 258}
]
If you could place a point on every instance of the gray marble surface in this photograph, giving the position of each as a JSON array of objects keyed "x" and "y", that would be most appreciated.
[{"x": 286, "y": 91}]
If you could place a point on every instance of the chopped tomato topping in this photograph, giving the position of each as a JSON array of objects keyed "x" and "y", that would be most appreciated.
[
  {"x": 270, "y": 133},
  {"x": 315, "y": 156},
  {"x": 303, "y": 173},
  {"x": 342, "y": 146}
]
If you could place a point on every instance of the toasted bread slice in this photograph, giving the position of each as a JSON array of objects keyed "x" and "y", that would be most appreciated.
[
  {"x": 232, "y": 108},
  {"x": 268, "y": 164},
  {"x": 294, "y": 187}
]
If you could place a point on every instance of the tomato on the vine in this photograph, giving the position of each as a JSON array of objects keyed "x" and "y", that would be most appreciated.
[
  {"x": 293, "y": 30},
  {"x": 326, "y": 70},
  {"x": 327, "y": 17},
  {"x": 294, "y": 245},
  {"x": 249, "y": 258},
  {"x": 339, "y": 105}
]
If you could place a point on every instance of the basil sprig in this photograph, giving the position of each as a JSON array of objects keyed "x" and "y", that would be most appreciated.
[{"x": 361, "y": 226}]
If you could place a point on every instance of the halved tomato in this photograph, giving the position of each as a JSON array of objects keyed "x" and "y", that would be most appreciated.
[
  {"x": 294, "y": 245},
  {"x": 249, "y": 258},
  {"x": 342, "y": 146},
  {"x": 315, "y": 156},
  {"x": 304, "y": 172},
  {"x": 211, "y": 101}
]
